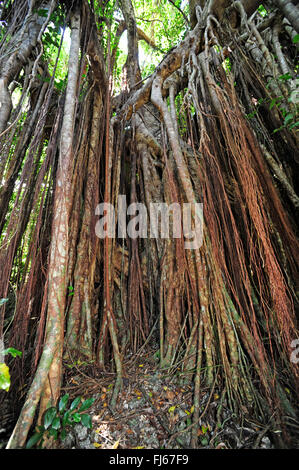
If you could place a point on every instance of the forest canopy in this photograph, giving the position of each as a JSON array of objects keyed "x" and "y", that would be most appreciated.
[{"x": 170, "y": 102}]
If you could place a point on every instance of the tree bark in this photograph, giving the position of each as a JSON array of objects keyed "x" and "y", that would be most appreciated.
[
  {"x": 47, "y": 379},
  {"x": 23, "y": 42},
  {"x": 218, "y": 7},
  {"x": 290, "y": 11}
]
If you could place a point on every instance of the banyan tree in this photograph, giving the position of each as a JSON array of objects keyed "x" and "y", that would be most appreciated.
[{"x": 156, "y": 101}]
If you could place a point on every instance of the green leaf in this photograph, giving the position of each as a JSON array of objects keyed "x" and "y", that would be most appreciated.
[
  {"x": 62, "y": 402},
  {"x": 86, "y": 404},
  {"x": 4, "y": 377},
  {"x": 59, "y": 84},
  {"x": 296, "y": 39},
  {"x": 204, "y": 441},
  {"x": 56, "y": 424},
  {"x": 204, "y": 429},
  {"x": 157, "y": 354},
  {"x": 76, "y": 417},
  {"x": 13, "y": 352},
  {"x": 66, "y": 419},
  {"x": 273, "y": 103},
  {"x": 86, "y": 421},
  {"x": 45, "y": 79},
  {"x": 262, "y": 10},
  {"x": 296, "y": 124},
  {"x": 42, "y": 12},
  {"x": 53, "y": 433},
  {"x": 289, "y": 117},
  {"x": 75, "y": 403},
  {"x": 63, "y": 434},
  {"x": 285, "y": 76},
  {"x": 34, "y": 440},
  {"x": 49, "y": 416}
]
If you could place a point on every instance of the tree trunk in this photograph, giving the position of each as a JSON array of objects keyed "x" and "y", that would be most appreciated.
[
  {"x": 23, "y": 42},
  {"x": 49, "y": 373}
]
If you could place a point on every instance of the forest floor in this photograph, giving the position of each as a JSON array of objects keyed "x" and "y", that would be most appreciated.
[{"x": 153, "y": 411}]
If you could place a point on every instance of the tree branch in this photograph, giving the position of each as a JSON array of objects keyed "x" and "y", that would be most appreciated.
[{"x": 181, "y": 11}]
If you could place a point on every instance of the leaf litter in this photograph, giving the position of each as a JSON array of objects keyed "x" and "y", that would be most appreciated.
[{"x": 155, "y": 411}]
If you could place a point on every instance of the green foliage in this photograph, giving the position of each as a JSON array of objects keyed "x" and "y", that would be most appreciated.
[
  {"x": 4, "y": 369},
  {"x": 262, "y": 11},
  {"x": 159, "y": 20},
  {"x": 43, "y": 12},
  {"x": 4, "y": 377},
  {"x": 71, "y": 291},
  {"x": 79, "y": 363},
  {"x": 227, "y": 65},
  {"x": 51, "y": 44},
  {"x": 157, "y": 355},
  {"x": 255, "y": 111},
  {"x": 163, "y": 23},
  {"x": 12, "y": 351},
  {"x": 289, "y": 116},
  {"x": 57, "y": 420}
]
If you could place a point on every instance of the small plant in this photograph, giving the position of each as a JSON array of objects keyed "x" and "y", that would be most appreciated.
[
  {"x": 290, "y": 118},
  {"x": 71, "y": 291},
  {"x": 79, "y": 363},
  {"x": 56, "y": 420},
  {"x": 4, "y": 369},
  {"x": 262, "y": 11}
]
